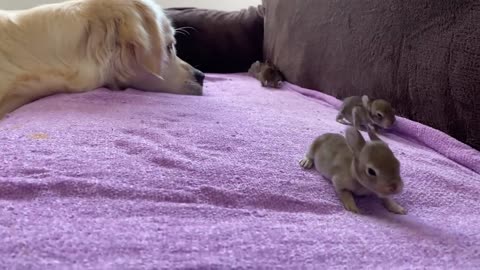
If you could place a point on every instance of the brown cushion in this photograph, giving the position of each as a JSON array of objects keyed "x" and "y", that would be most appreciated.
[
  {"x": 422, "y": 55},
  {"x": 219, "y": 41}
]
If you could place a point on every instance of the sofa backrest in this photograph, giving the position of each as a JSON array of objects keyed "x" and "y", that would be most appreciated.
[{"x": 218, "y": 41}]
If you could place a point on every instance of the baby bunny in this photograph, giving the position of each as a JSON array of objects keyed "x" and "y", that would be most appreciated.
[
  {"x": 267, "y": 73},
  {"x": 360, "y": 111},
  {"x": 357, "y": 167}
]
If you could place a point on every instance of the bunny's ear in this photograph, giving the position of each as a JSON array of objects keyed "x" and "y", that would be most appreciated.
[
  {"x": 372, "y": 134},
  {"x": 357, "y": 117},
  {"x": 355, "y": 140},
  {"x": 366, "y": 102}
]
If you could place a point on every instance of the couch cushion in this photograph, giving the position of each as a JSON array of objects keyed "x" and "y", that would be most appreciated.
[
  {"x": 422, "y": 55},
  {"x": 219, "y": 41}
]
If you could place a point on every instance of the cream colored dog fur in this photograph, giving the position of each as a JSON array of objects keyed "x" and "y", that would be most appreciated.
[{"x": 80, "y": 45}]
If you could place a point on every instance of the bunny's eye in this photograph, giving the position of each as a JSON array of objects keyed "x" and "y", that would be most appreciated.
[
  {"x": 379, "y": 115},
  {"x": 371, "y": 172}
]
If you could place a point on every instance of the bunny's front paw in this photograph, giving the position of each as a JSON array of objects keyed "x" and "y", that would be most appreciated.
[
  {"x": 394, "y": 207},
  {"x": 306, "y": 163}
]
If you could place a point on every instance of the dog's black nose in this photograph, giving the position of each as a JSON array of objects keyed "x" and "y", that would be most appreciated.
[{"x": 199, "y": 76}]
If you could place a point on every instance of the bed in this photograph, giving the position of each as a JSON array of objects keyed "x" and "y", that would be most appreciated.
[{"x": 129, "y": 180}]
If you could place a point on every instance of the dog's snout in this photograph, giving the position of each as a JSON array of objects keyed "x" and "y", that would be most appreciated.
[{"x": 199, "y": 76}]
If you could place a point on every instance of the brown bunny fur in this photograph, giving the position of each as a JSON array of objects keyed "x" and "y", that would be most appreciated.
[
  {"x": 361, "y": 111},
  {"x": 267, "y": 73},
  {"x": 357, "y": 167}
]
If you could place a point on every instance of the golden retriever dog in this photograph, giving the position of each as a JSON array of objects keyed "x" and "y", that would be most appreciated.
[{"x": 81, "y": 45}]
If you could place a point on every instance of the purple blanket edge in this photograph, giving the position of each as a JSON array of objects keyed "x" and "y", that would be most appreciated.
[{"x": 434, "y": 139}]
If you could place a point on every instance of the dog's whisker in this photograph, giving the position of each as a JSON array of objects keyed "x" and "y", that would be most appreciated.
[{"x": 184, "y": 30}]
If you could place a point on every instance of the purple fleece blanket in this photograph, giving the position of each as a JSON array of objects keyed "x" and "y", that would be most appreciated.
[{"x": 130, "y": 180}]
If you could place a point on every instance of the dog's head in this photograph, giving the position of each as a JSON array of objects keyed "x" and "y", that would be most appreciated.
[
  {"x": 177, "y": 74},
  {"x": 136, "y": 41}
]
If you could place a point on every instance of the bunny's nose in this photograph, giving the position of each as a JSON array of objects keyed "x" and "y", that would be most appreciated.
[
  {"x": 392, "y": 188},
  {"x": 395, "y": 188}
]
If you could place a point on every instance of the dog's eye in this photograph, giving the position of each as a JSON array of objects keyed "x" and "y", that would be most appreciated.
[
  {"x": 170, "y": 48},
  {"x": 371, "y": 172}
]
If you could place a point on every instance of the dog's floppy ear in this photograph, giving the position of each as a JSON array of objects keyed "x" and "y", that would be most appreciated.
[
  {"x": 147, "y": 41},
  {"x": 128, "y": 35}
]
